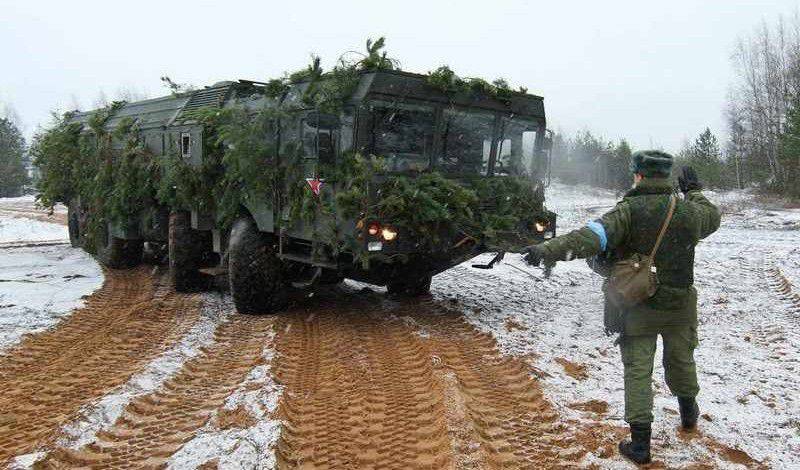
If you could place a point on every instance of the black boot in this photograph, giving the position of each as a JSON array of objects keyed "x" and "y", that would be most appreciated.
[
  {"x": 638, "y": 448},
  {"x": 689, "y": 412}
]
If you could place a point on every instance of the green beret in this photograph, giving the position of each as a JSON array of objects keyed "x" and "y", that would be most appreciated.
[{"x": 651, "y": 163}]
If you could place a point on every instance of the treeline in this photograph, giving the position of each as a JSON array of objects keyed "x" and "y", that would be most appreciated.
[
  {"x": 590, "y": 159},
  {"x": 762, "y": 146},
  {"x": 13, "y": 159},
  {"x": 763, "y": 112}
]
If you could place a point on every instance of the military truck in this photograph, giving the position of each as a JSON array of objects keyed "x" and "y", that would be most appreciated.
[{"x": 415, "y": 128}]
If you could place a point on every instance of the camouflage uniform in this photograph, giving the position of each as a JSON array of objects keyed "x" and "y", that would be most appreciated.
[{"x": 632, "y": 227}]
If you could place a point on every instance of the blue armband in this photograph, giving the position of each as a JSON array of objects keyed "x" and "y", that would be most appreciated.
[{"x": 600, "y": 231}]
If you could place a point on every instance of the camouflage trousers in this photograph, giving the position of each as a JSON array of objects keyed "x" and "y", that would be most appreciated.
[{"x": 679, "y": 369}]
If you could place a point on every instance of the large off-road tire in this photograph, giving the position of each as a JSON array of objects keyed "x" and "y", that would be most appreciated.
[
  {"x": 186, "y": 249},
  {"x": 74, "y": 225},
  {"x": 410, "y": 286},
  {"x": 330, "y": 277},
  {"x": 255, "y": 273},
  {"x": 118, "y": 253}
]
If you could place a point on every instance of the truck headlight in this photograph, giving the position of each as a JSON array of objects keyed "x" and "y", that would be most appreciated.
[
  {"x": 374, "y": 229},
  {"x": 388, "y": 234}
]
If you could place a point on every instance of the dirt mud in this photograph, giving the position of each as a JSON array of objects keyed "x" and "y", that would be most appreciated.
[
  {"x": 155, "y": 426},
  {"x": 383, "y": 384},
  {"x": 368, "y": 382},
  {"x": 26, "y": 208},
  {"x": 49, "y": 376}
]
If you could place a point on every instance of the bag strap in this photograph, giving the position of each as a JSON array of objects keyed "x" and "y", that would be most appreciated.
[{"x": 667, "y": 220}]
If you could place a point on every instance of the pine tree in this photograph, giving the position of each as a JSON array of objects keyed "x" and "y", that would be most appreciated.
[
  {"x": 13, "y": 174},
  {"x": 705, "y": 156},
  {"x": 789, "y": 154},
  {"x": 620, "y": 166}
]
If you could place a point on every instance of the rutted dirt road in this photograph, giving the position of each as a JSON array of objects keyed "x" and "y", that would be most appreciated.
[
  {"x": 411, "y": 385},
  {"x": 369, "y": 383},
  {"x": 49, "y": 376}
]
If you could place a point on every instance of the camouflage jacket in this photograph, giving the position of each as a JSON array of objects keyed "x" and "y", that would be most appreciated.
[{"x": 632, "y": 227}]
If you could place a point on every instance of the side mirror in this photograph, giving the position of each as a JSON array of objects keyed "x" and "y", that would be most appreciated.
[{"x": 547, "y": 143}]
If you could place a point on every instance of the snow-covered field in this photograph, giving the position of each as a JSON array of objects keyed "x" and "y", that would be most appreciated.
[
  {"x": 749, "y": 354},
  {"x": 18, "y": 229},
  {"x": 39, "y": 285}
]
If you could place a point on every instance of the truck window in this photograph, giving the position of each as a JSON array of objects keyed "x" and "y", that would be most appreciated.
[
  {"x": 515, "y": 146},
  {"x": 403, "y": 136},
  {"x": 319, "y": 137},
  {"x": 186, "y": 145},
  {"x": 467, "y": 141}
]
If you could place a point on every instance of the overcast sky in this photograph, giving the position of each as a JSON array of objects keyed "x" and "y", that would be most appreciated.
[{"x": 653, "y": 72}]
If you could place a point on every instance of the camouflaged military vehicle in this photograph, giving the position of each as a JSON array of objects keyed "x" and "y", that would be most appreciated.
[{"x": 415, "y": 127}]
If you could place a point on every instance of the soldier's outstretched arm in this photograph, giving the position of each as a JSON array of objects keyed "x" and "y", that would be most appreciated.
[
  {"x": 707, "y": 212},
  {"x": 610, "y": 231}
]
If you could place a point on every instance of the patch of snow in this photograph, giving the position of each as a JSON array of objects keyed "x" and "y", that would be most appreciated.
[
  {"x": 104, "y": 413},
  {"x": 15, "y": 229},
  {"x": 29, "y": 202},
  {"x": 41, "y": 285},
  {"x": 577, "y": 204},
  {"x": 749, "y": 345},
  {"x": 235, "y": 448},
  {"x": 26, "y": 461}
]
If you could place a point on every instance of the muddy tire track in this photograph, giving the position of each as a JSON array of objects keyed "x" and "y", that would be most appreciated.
[
  {"x": 32, "y": 213},
  {"x": 783, "y": 287},
  {"x": 516, "y": 426},
  {"x": 49, "y": 376},
  {"x": 359, "y": 393},
  {"x": 364, "y": 389},
  {"x": 153, "y": 427}
]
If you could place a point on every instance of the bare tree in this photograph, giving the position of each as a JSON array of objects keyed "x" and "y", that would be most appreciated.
[
  {"x": 130, "y": 94},
  {"x": 101, "y": 101},
  {"x": 768, "y": 76}
]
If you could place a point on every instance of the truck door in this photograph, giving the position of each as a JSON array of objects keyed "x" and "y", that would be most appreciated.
[
  {"x": 320, "y": 136},
  {"x": 319, "y": 139}
]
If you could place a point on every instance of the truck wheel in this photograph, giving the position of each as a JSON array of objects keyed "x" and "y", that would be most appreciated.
[
  {"x": 74, "y": 225},
  {"x": 330, "y": 277},
  {"x": 118, "y": 253},
  {"x": 411, "y": 286},
  {"x": 255, "y": 272},
  {"x": 186, "y": 249}
]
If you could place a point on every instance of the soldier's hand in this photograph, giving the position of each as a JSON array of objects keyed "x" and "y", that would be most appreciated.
[
  {"x": 534, "y": 255},
  {"x": 688, "y": 180}
]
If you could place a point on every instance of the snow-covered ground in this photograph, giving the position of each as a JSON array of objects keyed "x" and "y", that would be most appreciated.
[
  {"x": 43, "y": 282},
  {"x": 749, "y": 354},
  {"x": 40, "y": 285},
  {"x": 249, "y": 447},
  {"x": 19, "y": 229}
]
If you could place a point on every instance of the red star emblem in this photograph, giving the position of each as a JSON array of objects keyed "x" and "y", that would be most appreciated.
[{"x": 315, "y": 184}]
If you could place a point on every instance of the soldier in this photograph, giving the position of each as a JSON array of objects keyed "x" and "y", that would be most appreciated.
[{"x": 633, "y": 227}]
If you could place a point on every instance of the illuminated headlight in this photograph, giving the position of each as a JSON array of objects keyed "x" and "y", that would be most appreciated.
[
  {"x": 374, "y": 229},
  {"x": 388, "y": 234}
]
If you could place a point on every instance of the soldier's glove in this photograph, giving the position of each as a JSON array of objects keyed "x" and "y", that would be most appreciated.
[
  {"x": 688, "y": 180},
  {"x": 534, "y": 255}
]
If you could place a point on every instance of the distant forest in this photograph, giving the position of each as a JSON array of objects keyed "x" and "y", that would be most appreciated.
[
  {"x": 587, "y": 158},
  {"x": 762, "y": 146}
]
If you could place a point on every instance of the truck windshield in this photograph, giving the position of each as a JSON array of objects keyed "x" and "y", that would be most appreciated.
[
  {"x": 516, "y": 146},
  {"x": 403, "y": 136},
  {"x": 466, "y": 141}
]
